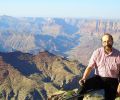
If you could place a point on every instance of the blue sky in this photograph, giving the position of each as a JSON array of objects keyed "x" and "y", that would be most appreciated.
[{"x": 61, "y": 8}]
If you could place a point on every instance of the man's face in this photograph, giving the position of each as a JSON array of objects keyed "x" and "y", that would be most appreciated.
[{"x": 107, "y": 42}]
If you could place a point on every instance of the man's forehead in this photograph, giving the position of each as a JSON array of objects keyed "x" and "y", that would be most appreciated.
[{"x": 105, "y": 37}]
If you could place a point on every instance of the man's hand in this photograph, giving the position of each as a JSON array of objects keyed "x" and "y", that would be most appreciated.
[
  {"x": 85, "y": 75},
  {"x": 118, "y": 90},
  {"x": 82, "y": 82}
]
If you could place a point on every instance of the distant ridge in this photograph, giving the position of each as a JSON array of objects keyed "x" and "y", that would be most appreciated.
[{"x": 63, "y": 36}]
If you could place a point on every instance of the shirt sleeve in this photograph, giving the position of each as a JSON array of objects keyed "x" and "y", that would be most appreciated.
[
  {"x": 118, "y": 62},
  {"x": 92, "y": 61}
]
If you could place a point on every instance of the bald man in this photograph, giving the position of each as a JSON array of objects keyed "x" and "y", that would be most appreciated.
[{"x": 106, "y": 62}]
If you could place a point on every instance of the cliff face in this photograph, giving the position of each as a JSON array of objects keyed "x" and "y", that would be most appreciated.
[
  {"x": 25, "y": 76},
  {"x": 15, "y": 85},
  {"x": 58, "y": 72},
  {"x": 99, "y": 26}
]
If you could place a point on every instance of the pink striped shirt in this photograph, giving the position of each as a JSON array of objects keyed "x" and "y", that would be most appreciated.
[{"x": 105, "y": 65}]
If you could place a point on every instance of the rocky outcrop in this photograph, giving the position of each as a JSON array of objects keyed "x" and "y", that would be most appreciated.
[
  {"x": 24, "y": 76},
  {"x": 15, "y": 85}
]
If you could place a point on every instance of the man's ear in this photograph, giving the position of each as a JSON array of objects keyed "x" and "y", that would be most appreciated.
[{"x": 112, "y": 42}]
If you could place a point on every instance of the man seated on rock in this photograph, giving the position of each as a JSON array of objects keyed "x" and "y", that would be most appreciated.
[{"x": 106, "y": 62}]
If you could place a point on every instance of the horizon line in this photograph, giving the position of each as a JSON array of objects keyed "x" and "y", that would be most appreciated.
[{"x": 97, "y": 18}]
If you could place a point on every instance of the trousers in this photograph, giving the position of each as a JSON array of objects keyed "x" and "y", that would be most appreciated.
[{"x": 96, "y": 82}]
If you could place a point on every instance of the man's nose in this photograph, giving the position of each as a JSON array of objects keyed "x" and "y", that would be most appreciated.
[{"x": 107, "y": 43}]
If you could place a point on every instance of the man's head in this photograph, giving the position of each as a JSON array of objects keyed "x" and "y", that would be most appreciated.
[{"x": 107, "y": 41}]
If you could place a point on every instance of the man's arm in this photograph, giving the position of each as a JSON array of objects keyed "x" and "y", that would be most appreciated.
[
  {"x": 85, "y": 75},
  {"x": 118, "y": 88},
  {"x": 92, "y": 63}
]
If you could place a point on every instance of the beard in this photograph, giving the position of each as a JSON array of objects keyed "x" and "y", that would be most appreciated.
[{"x": 108, "y": 47}]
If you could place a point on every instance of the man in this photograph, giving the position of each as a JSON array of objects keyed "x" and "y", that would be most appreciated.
[{"x": 106, "y": 62}]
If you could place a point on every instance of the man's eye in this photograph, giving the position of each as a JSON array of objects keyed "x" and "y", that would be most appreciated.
[{"x": 104, "y": 41}]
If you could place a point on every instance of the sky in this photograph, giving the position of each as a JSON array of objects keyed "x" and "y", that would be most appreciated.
[{"x": 61, "y": 8}]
